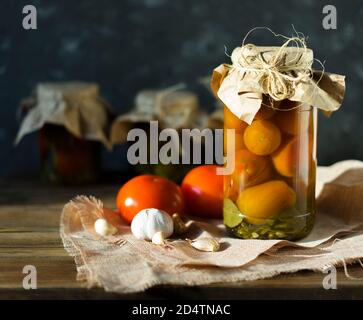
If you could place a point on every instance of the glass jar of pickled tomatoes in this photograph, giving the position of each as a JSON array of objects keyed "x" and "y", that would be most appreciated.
[
  {"x": 270, "y": 192},
  {"x": 66, "y": 159}
]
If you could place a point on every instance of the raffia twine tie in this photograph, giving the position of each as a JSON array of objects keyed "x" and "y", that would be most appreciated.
[{"x": 280, "y": 73}]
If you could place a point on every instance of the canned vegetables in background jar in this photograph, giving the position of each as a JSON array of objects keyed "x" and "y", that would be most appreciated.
[{"x": 67, "y": 159}]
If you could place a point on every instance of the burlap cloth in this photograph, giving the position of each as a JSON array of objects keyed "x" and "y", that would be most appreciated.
[{"x": 123, "y": 264}]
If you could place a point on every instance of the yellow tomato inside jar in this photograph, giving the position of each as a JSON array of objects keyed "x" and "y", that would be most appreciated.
[{"x": 270, "y": 193}]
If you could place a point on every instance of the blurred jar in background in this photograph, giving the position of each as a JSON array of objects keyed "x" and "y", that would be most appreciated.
[
  {"x": 73, "y": 122},
  {"x": 67, "y": 159}
]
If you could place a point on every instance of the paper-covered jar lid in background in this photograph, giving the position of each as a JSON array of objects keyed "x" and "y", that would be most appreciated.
[
  {"x": 173, "y": 107},
  {"x": 75, "y": 105}
]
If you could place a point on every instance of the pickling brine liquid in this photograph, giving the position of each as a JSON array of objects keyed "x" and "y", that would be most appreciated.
[{"x": 270, "y": 192}]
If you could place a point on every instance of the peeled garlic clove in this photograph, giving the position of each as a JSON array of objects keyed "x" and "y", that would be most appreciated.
[
  {"x": 158, "y": 238},
  {"x": 179, "y": 225},
  {"x": 205, "y": 244},
  {"x": 103, "y": 228}
]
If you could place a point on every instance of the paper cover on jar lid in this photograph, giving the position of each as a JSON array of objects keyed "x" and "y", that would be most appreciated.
[
  {"x": 173, "y": 107},
  {"x": 75, "y": 105},
  {"x": 281, "y": 72}
]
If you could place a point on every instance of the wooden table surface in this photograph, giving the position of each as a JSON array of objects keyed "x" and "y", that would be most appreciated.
[{"x": 29, "y": 235}]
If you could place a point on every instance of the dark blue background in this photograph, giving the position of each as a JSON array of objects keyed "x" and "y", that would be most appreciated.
[{"x": 130, "y": 45}]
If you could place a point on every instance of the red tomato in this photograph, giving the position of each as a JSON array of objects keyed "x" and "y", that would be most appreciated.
[
  {"x": 203, "y": 192},
  {"x": 148, "y": 191}
]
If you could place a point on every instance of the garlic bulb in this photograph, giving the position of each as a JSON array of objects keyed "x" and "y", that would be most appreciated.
[
  {"x": 148, "y": 222},
  {"x": 205, "y": 244},
  {"x": 103, "y": 228}
]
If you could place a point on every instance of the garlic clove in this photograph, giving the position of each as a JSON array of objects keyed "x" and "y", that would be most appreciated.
[
  {"x": 158, "y": 238},
  {"x": 205, "y": 244},
  {"x": 103, "y": 228}
]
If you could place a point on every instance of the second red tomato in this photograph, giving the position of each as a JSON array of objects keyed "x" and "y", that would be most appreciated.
[{"x": 203, "y": 192}]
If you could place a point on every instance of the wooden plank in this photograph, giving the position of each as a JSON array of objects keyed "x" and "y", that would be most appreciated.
[
  {"x": 54, "y": 272},
  {"x": 27, "y": 207},
  {"x": 57, "y": 276},
  {"x": 36, "y": 193},
  {"x": 25, "y": 239},
  {"x": 55, "y": 266},
  {"x": 260, "y": 289}
]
